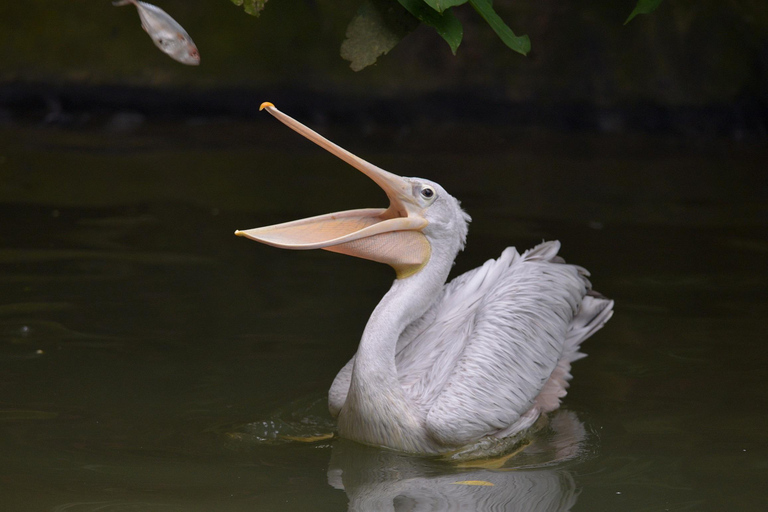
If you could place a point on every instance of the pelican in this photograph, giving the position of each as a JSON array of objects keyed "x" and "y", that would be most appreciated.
[{"x": 443, "y": 367}]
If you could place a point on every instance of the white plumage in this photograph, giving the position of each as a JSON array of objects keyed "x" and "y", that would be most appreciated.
[
  {"x": 494, "y": 350},
  {"x": 441, "y": 367}
]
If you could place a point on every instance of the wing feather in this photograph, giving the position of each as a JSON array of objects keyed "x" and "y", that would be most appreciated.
[
  {"x": 519, "y": 328},
  {"x": 430, "y": 347}
]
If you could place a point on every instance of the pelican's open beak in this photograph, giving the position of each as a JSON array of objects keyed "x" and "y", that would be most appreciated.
[{"x": 392, "y": 236}]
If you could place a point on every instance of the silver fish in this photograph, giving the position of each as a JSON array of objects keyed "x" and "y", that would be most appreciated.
[{"x": 165, "y": 32}]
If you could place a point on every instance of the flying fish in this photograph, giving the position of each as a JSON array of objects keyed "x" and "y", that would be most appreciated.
[{"x": 165, "y": 32}]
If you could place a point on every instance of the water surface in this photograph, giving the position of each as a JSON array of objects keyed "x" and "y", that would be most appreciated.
[{"x": 143, "y": 347}]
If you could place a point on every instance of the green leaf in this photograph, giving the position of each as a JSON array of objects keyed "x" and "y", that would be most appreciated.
[
  {"x": 376, "y": 28},
  {"x": 446, "y": 24},
  {"x": 440, "y": 5},
  {"x": 521, "y": 44},
  {"x": 643, "y": 7},
  {"x": 252, "y": 7}
]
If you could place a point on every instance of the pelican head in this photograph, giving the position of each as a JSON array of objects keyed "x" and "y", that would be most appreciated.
[{"x": 422, "y": 219}]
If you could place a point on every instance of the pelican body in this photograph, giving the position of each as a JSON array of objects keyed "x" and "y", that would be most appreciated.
[{"x": 440, "y": 367}]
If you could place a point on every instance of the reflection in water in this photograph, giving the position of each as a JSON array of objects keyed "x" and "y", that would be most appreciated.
[
  {"x": 378, "y": 479},
  {"x": 508, "y": 491},
  {"x": 381, "y": 479}
]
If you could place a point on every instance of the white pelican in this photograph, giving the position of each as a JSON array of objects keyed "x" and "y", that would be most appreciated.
[{"x": 442, "y": 367}]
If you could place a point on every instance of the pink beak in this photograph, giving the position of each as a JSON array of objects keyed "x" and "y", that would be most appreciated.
[{"x": 392, "y": 235}]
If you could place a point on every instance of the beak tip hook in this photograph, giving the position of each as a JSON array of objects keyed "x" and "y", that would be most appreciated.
[{"x": 266, "y": 104}]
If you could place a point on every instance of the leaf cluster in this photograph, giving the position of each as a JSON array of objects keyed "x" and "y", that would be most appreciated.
[
  {"x": 438, "y": 14},
  {"x": 379, "y": 25},
  {"x": 252, "y": 7}
]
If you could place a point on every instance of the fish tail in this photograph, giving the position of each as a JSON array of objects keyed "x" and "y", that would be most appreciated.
[{"x": 118, "y": 3}]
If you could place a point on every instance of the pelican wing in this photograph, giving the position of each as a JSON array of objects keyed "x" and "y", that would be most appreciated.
[
  {"x": 478, "y": 359},
  {"x": 495, "y": 348}
]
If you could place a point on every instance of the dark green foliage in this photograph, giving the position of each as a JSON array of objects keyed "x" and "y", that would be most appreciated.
[
  {"x": 252, "y": 7},
  {"x": 445, "y": 23},
  {"x": 442, "y": 5},
  {"x": 521, "y": 44},
  {"x": 643, "y": 7},
  {"x": 372, "y": 31},
  {"x": 376, "y": 28},
  {"x": 379, "y": 25}
]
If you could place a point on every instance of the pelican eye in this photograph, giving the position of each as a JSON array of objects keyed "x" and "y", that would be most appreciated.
[{"x": 427, "y": 192}]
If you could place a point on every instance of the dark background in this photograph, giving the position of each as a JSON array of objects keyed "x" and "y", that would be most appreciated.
[
  {"x": 692, "y": 68},
  {"x": 149, "y": 359}
]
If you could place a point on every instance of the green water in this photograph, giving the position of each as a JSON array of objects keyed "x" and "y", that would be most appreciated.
[{"x": 149, "y": 359}]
